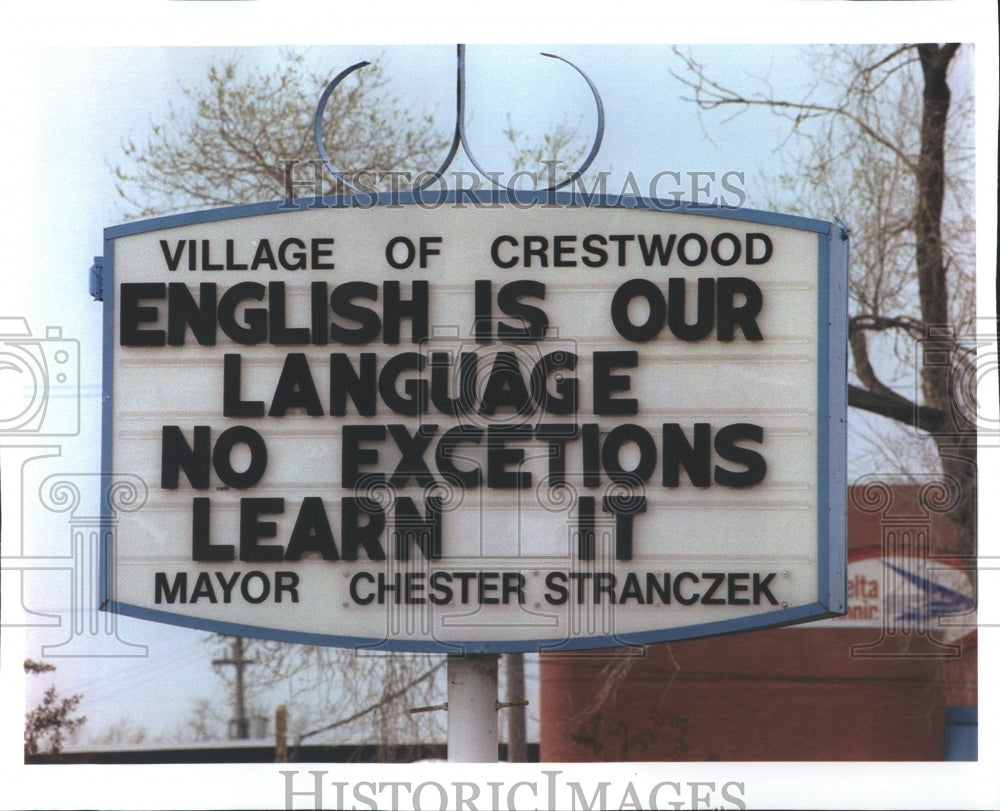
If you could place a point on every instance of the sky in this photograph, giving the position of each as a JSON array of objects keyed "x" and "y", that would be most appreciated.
[{"x": 78, "y": 83}]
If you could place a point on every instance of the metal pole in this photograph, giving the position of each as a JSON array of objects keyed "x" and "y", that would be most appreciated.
[
  {"x": 517, "y": 745},
  {"x": 472, "y": 708}
]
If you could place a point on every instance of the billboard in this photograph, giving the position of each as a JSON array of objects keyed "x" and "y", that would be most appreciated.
[{"x": 474, "y": 424}]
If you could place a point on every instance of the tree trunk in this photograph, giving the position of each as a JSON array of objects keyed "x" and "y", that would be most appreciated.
[{"x": 955, "y": 437}]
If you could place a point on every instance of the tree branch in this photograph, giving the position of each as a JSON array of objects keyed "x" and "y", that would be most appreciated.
[
  {"x": 371, "y": 708},
  {"x": 896, "y": 408},
  {"x": 710, "y": 95},
  {"x": 913, "y": 327}
]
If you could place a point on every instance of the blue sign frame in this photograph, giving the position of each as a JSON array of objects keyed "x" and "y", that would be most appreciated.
[{"x": 831, "y": 382}]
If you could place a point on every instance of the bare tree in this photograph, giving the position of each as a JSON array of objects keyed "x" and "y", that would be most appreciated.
[
  {"x": 548, "y": 159},
  {"x": 345, "y": 696},
  {"x": 885, "y": 139},
  {"x": 122, "y": 734},
  {"x": 47, "y": 726},
  {"x": 232, "y": 138}
]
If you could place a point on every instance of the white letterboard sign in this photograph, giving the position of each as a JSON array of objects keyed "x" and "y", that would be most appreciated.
[{"x": 475, "y": 426}]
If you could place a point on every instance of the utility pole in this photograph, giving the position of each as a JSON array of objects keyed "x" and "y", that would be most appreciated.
[
  {"x": 281, "y": 734},
  {"x": 241, "y": 722}
]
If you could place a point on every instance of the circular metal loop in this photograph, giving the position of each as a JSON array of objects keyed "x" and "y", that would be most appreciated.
[{"x": 459, "y": 138}]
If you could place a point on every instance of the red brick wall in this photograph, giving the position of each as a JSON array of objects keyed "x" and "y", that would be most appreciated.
[{"x": 781, "y": 694}]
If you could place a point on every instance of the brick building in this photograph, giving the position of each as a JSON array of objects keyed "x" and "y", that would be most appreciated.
[{"x": 893, "y": 680}]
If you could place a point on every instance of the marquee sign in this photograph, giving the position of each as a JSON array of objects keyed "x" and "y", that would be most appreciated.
[{"x": 474, "y": 426}]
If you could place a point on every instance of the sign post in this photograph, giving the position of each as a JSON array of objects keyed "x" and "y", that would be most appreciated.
[
  {"x": 473, "y": 732},
  {"x": 477, "y": 424}
]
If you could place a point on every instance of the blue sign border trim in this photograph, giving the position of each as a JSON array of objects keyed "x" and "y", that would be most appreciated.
[{"x": 831, "y": 428}]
